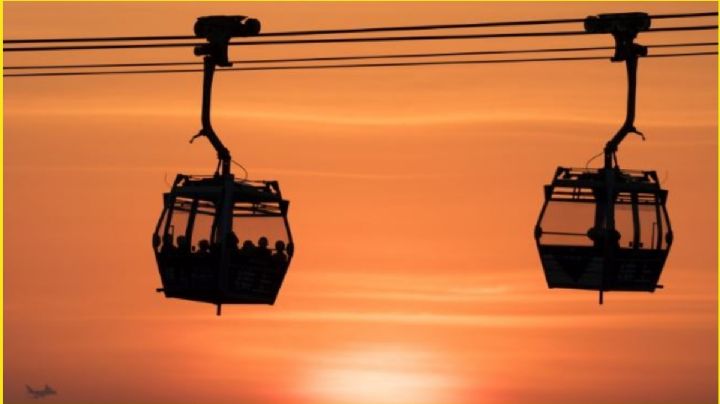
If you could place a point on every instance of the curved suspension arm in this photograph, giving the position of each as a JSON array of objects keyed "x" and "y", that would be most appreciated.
[
  {"x": 629, "y": 51},
  {"x": 631, "y": 64},
  {"x": 218, "y": 30},
  {"x": 222, "y": 152}
]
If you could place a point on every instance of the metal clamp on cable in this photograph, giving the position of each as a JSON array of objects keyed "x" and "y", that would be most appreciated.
[
  {"x": 624, "y": 27},
  {"x": 218, "y": 29}
]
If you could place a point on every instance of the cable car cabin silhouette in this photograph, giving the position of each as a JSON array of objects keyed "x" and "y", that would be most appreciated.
[
  {"x": 220, "y": 240},
  {"x": 579, "y": 250},
  {"x": 607, "y": 229}
]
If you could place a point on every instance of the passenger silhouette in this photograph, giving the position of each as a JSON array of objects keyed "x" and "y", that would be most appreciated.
[
  {"x": 247, "y": 250},
  {"x": 233, "y": 255},
  {"x": 279, "y": 258},
  {"x": 262, "y": 250},
  {"x": 203, "y": 248},
  {"x": 241, "y": 274},
  {"x": 168, "y": 258},
  {"x": 181, "y": 258},
  {"x": 167, "y": 245},
  {"x": 203, "y": 267}
]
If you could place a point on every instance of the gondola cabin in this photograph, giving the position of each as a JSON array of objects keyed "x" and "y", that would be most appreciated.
[
  {"x": 603, "y": 230},
  {"x": 220, "y": 240},
  {"x": 607, "y": 229}
]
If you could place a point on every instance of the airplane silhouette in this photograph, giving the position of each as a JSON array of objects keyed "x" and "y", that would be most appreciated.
[{"x": 40, "y": 393}]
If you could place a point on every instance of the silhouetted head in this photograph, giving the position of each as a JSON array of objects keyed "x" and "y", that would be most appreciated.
[
  {"x": 167, "y": 239},
  {"x": 248, "y": 245},
  {"x": 262, "y": 242},
  {"x": 279, "y": 246},
  {"x": 182, "y": 243},
  {"x": 204, "y": 245}
]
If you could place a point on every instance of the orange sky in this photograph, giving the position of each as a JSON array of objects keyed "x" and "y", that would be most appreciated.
[{"x": 414, "y": 192}]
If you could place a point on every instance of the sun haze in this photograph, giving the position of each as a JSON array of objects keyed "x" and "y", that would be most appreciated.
[{"x": 414, "y": 192}]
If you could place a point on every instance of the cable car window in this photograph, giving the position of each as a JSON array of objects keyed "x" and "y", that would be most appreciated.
[
  {"x": 179, "y": 220},
  {"x": 157, "y": 243},
  {"x": 567, "y": 223},
  {"x": 249, "y": 228},
  {"x": 649, "y": 228},
  {"x": 203, "y": 226},
  {"x": 664, "y": 228},
  {"x": 624, "y": 224}
]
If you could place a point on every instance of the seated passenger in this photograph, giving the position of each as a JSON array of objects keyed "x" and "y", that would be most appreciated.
[
  {"x": 182, "y": 260},
  {"x": 231, "y": 245},
  {"x": 279, "y": 258},
  {"x": 203, "y": 249},
  {"x": 233, "y": 253},
  {"x": 247, "y": 250},
  {"x": 262, "y": 250},
  {"x": 167, "y": 260},
  {"x": 202, "y": 268},
  {"x": 167, "y": 245}
]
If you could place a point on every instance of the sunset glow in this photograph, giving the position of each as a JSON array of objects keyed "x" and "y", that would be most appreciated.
[
  {"x": 380, "y": 375},
  {"x": 413, "y": 194}
]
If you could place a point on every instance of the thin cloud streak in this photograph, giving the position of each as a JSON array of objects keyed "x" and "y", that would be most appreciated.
[
  {"x": 374, "y": 120},
  {"x": 573, "y": 321},
  {"x": 338, "y": 174},
  {"x": 439, "y": 296},
  {"x": 198, "y": 169}
]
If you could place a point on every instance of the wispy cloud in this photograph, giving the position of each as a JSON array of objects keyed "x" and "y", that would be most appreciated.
[
  {"x": 370, "y": 118},
  {"x": 342, "y": 174},
  {"x": 575, "y": 321},
  {"x": 428, "y": 296}
]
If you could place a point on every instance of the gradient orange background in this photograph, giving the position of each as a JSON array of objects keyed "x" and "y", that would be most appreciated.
[{"x": 414, "y": 194}]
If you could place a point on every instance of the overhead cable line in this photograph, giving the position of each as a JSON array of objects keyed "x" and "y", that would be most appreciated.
[
  {"x": 355, "y": 57},
  {"x": 350, "y": 30},
  {"x": 684, "y": 15},
  {"x": 347, "y": 40},
  {"x": 358, "y": 65}
]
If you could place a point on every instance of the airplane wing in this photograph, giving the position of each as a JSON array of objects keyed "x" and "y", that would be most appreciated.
[{"x": 35, "y": 393}]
